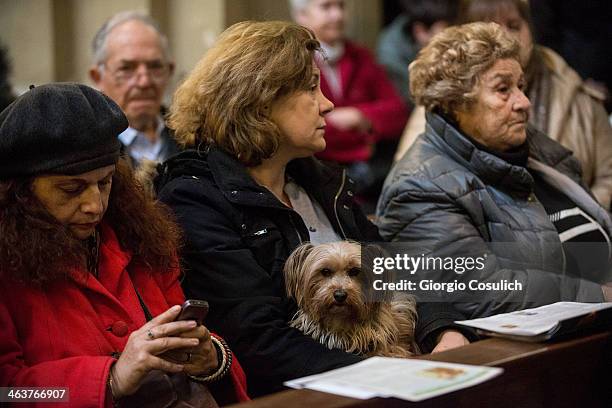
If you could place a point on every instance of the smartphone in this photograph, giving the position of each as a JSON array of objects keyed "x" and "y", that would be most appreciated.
[{"x": 194, "y": 310}]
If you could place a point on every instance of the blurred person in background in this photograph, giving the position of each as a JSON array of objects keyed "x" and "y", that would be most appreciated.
[
  {"x": 400, "y": 42},
  {"x": 367, "y": 110},
  {"x": 580, "y": 31},
  {"x": 132, "y": 65}
]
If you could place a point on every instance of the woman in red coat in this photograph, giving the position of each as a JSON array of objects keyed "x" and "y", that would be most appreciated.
[{"x": 84, "y": 258}]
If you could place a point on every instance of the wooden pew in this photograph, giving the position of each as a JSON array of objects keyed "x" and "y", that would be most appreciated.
[{"x": 575, "y": 372}]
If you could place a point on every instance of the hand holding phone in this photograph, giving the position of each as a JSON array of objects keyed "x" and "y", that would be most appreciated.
[{"x": 193, "y": 309}]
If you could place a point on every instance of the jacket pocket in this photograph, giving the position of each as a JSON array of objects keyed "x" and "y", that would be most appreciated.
[{"x": 265, "y": 241}]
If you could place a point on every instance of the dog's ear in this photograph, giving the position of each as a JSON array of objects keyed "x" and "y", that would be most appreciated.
[
  {"x": 293, "y": 271},
  {"x": 369, "y": 254}
]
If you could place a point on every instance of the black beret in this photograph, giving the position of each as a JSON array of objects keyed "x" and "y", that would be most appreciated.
[{"x": 60, "y": 128}]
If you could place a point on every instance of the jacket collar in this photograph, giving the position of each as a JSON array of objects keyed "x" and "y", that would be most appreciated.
[
  {"x": 117, "y": 271},
  {"x": 488, "y": 167},
  {"x": 492, "y": 168},
  {"x": 548, "y": 151},
  {"x": 237, "y": 184},
  {"x": 111, "y": 257}
]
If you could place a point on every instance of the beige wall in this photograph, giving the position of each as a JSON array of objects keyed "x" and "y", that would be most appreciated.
[
  {"x": 26, "y": 28},
  {"x": 85, "y": 17},
  {"x": 50, "y": 40},
  {"x": 240, "y": 10},
  {"x": 365, "y": 21},
  {"x": 192, "y": 28}
]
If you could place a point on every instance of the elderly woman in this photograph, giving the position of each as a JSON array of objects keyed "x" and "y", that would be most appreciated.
[
  {"x": 89, "y": 285},
  {"x": 249, "y": 191},
  {"x": 479, "y": 177},
  {"x": 563, "y": 106}
]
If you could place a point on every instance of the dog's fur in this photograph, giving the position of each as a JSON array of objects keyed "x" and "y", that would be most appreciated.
[{"x": 317, "y": 276}]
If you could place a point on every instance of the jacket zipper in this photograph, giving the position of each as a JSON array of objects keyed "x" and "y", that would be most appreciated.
[
  {"x": 295, "y": 229},
  {"x": 336, "y": 203}
]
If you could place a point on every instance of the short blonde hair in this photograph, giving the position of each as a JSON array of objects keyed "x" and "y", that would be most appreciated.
[
  {"x": 445, "y": 73},
  {"x": 226, "y": 99}
]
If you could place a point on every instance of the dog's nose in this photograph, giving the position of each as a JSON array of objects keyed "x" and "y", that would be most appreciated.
[{"x": 340, "y": 295}]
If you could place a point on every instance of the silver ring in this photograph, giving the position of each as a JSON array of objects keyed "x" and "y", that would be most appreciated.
[
  {"x": 188, "y": 358},
  {"x": 150, "y": 335}
]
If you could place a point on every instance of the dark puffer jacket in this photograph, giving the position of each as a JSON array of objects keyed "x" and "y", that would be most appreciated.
[
  {"x": 238, "y": 238},
  {"x": 452, "y": 200}
]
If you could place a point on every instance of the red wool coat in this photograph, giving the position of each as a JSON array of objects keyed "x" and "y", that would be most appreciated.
[
  {"x": 63, "y": 335},
  {"x": 366, "y": 87}
]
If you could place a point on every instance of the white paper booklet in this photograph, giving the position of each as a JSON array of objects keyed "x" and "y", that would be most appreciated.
[
  {"x": 544, "y": 322},
  {"x": 408, "y": 379}
]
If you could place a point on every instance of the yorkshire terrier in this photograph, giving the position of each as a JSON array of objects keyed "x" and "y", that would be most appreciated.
[{"x": 338, "y": 306}]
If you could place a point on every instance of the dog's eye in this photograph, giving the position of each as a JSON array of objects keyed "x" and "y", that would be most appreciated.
[
  {"x": 326, "y": 272},
  {"x": 354, "y": 271}
]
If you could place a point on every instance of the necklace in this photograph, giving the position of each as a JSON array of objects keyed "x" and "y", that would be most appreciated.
[{"x": 93, "y": 253}]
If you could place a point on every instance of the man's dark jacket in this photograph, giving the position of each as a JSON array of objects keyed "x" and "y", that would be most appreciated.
[{"x": 238, "y": 236}]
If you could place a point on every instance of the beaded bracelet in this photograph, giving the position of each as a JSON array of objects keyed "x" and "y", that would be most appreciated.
[
  {"x": 110, "y": 385},
  {"x": 224, "y": 367}
]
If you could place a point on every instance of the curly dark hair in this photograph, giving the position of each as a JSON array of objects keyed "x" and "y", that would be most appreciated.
[{"x": 35, "y": 248}]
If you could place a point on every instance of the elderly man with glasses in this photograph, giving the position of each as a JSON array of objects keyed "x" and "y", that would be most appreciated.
[{"x": 132, "y": 65}]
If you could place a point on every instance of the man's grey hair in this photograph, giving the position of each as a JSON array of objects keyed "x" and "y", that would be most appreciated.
[
  {"x": 99, "y": 42},
  {"x": 295, "y": 6}
]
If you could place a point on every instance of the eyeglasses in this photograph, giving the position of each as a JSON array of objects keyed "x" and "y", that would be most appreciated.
[{"x": 130, "y": 70}]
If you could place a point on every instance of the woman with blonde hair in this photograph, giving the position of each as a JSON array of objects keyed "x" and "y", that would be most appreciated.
[
  {"x": 247, "y": 191},
  {"x": 481, "y": 182}
]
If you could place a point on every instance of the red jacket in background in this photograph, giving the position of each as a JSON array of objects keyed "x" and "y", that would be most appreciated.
[
  {"x": 364, "y": 86},
  {"x": 63, "y": 334}
]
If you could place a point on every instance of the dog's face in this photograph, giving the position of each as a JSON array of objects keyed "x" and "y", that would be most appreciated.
[{"x": 328, "y": 283}]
